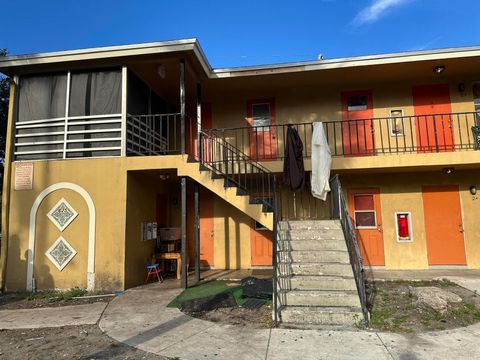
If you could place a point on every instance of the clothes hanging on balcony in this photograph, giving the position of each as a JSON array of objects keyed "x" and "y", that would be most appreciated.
[
  {"x": 321, "y": 162},
  {"x": 293, "y": 167}
]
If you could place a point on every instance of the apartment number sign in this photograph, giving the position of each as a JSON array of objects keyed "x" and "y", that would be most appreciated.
[{"x": 23, "y": 176}]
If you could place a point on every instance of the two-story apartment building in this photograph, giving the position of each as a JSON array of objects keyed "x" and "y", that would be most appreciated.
[{"x": 103, "y": 141}]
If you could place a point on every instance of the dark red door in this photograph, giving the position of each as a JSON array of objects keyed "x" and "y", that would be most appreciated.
[
  {"x": 262, "y": 129},
  {"x": 433, "y": 118},
  {"x": 357, "y": 114}
]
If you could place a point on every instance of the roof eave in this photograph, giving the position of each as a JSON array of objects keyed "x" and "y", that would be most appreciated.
[{"x": 10, "y": 63}]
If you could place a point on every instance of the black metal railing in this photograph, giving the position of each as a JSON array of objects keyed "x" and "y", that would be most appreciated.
[
  {"x": 339, "y": 210},
  {"x": 237, "y": 169},
  {"x": 362, "y": 137},
  {"x": 159, "y": 134}
]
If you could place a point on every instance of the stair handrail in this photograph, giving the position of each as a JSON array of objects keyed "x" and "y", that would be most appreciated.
[
  {"x": 230, "y": 165},
  {"x": 339, "y": 210}
]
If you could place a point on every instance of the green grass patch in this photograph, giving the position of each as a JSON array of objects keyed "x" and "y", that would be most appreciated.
[
  {"x": 210, "y": 288},
  {"x": 54, "y": 295},
  {"x": 466, "y": 314}
]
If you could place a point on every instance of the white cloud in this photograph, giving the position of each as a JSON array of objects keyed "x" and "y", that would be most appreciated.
[{"x": 375, "y": 10}]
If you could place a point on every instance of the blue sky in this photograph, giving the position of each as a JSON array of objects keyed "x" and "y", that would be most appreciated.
[{"x": 236, "y": 33}]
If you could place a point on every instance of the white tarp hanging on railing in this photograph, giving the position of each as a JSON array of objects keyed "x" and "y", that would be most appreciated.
[{"x": 321, "y": 162}]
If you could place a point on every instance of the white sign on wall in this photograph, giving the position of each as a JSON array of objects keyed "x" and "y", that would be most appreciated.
[{"x": 23, "y": 176}]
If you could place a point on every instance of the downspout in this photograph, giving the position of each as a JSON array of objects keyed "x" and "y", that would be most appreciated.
[{"x": 6, "y": 184}]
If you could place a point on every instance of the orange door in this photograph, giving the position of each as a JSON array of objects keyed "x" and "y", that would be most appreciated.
[
  {"x": 206, "y": 229},
  {"x": 364, "y": 207},
  {"x": 357, "y": 114},
  {"x": 433, "y": 123},
  {"x": 261, "y": 243},
  {"x": 262, "y": 131},
  {"x": 443, "y": 225}
]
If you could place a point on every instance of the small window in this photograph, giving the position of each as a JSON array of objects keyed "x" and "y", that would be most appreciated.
[
  {"x": 364, "y": 214},
  {"x": 403, "y": 225},
  {"x": 356, "y": 103},
  {"x": 259, "y": 227},
  {"x": 365, "y": 220},
  {"x": 396, "y": 122},
  {"x": 261, "y": 116}
]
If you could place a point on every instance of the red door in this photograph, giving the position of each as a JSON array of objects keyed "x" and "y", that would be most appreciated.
[
  {"x": 443, "y": 225},
  {"x": 433, "y": 122},
  {"x": 261, "y": 129},
  {"x": 357, "y": 114},
  {"x": 261, "y": 243},
  {"x": 366, "y": 212}
]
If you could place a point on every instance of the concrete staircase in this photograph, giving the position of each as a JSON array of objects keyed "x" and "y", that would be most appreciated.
[{"x": 316, "y": 286}]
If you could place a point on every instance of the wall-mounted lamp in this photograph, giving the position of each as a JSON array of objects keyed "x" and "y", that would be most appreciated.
[
  {"x": 461, "y": 87},
  {"x": 162, "y": 71},
  {"x": 473, "y": 190},
  {"x": 448, "y": 170},
  {"x": 439, "y": 69},
  {"x": 164, "y": 176}
]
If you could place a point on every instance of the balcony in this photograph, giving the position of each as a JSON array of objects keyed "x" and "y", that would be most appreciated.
[{"x": 365, "y": 141}]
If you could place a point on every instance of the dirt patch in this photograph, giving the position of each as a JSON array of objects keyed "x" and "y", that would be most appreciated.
[
  {"x": 70, "y": 342},
  {"x": 260, "y": 318},
  {"x": 12, "y": 301},
  {"x": 394, "y": 307}
]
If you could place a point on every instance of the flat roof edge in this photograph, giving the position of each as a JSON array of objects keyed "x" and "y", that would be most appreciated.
[
  {"x": 408, "y": 56},
  {"x": 108, "y": 52}
]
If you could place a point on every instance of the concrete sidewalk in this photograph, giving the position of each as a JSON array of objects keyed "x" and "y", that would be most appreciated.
[
  {"x": 140, "y": 318},
  {"x": 87, "y": 314}
]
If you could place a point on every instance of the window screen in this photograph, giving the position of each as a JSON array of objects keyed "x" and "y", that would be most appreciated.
[
  {"x": 364, "y": 202},
  {"x": 261, "y": 115},
  {"x": 357, "y": 103},
  {"x": 42, "y": 97},
  {"x": 96, "y": 93}
]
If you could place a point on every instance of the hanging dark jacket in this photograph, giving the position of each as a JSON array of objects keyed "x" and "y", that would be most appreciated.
[{"x": 293, "y": 167}]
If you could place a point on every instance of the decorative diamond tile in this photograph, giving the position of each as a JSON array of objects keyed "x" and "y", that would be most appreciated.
[
  {"x": 60, "y": 253},
  {"x": 62, "y": 214}
]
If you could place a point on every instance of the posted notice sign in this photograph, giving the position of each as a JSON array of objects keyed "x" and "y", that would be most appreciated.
[{"x": 23, "y": 176}]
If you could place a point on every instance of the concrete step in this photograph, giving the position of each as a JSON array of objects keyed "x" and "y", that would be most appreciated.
[
  {"x": 314, "y": 256},
  {"x": 324, "y": 244},
  {"x": 322, "y": 298},
  {"x": 317, "y": 282},
  {"x": 316, "y": 234},
  {"x": 311, "y": 224},
  {"x": 344, "y": 316},
  {"x": 328, "y": 269}
]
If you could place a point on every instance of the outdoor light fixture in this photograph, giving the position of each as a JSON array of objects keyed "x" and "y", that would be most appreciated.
[
  {"x": 448, "y": 170},
  {"x": 461, "y": 87},
  {"x": 439, "y": 69},
  {"x": 161, "y": 71},
  {"x": 473, "y": 190},
  {"x": 164, "y": 176}
]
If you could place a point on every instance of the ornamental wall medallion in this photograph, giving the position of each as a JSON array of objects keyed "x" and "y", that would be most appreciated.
[
  {"x": 62, "y": 214},
  {"x": 60, "y": 253}
]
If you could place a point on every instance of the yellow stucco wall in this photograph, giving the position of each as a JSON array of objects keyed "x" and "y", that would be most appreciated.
[
  {"x": 232, "y": 246},
  {"x": 403, "y": 192},
  {"x": 102, "y": 179}
]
